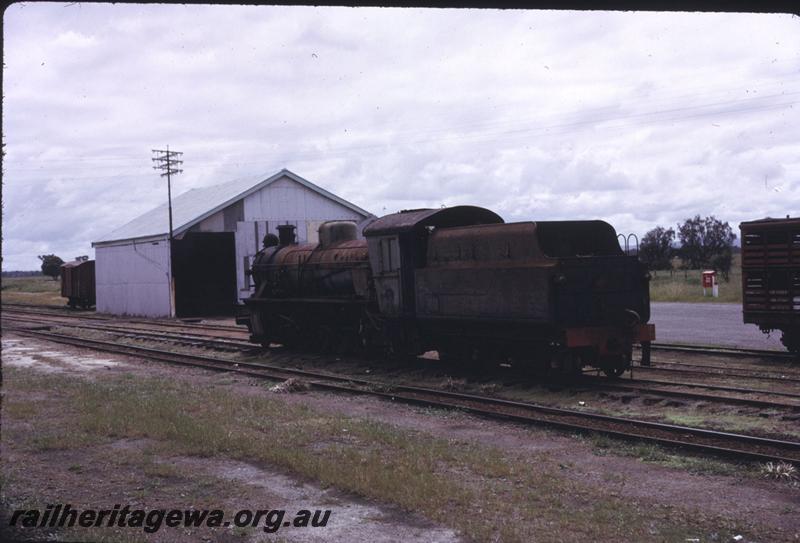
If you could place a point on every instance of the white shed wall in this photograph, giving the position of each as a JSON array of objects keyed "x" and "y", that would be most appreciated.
[
  {"x": 133, "y": 279},
  {"x": 283, "y": 202},
  {"x": 214, "y": 223},
  {"x": 287, "y": 200}
]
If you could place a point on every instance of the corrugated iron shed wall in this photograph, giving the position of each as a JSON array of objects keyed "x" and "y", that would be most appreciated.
[
  {"x": 283, "y": 202},
  {"x": 133, "y": 278},
  {"x": 133, "y": 274}
]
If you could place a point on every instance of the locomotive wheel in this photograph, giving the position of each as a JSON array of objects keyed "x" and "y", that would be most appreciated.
[
  {"x": 614, "y": 372},
  {"x": 461, "y": 357},
  {"x": 791, "y": 340},
  {"x": 324, "y": 339},
  {"x": 614, "y": 367},
  {"x": 449, "y": 357}
]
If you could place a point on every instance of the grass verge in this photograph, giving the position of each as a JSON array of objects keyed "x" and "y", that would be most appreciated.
[
  {"x": 687, "y": 285},
  {"x": 486, "y": 493},
  {"x": 36, "y": 290}
]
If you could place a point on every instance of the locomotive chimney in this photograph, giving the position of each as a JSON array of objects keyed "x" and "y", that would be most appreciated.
[{"x": 286, "y": 234}]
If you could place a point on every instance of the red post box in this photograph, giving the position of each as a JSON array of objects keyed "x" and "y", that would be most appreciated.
[{"x": 710, "y": 282}]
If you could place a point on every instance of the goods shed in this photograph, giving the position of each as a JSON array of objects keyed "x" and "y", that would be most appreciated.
[{"x": 217, "y": 231}]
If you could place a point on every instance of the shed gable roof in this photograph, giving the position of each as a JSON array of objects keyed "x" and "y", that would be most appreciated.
[{"x": 192, "y": 206}]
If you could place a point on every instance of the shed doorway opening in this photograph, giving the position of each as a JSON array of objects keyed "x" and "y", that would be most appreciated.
[{"x": 204, "y": 272}]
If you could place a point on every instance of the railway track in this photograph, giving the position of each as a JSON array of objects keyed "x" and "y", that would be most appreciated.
[
  {"x": 791, "y": 371},
  {"x": 201, "y": 340},
  {"x": 656, "y": 369},
  {"x": 34, "y": 310},
  {"x": 696, "y": 439},
  {"x": 667, "y": 389},
  {"x": 151, "y": 323},
  {"x": 725, "y": 351},
  {"x": 661, "y": 388},
  {"x": 54, "y": 310}
]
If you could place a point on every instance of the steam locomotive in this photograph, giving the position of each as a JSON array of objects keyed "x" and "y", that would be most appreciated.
[{"x": 556, "y": 296}]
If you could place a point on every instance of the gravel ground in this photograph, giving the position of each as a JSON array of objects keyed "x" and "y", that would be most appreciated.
[{"x": 769, "y": 505}]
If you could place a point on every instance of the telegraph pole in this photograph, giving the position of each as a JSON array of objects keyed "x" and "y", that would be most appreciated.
[{"x": 167, "y": 162}]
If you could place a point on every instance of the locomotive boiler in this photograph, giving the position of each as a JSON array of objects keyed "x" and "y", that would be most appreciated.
[{"x": 554, "y": 295}]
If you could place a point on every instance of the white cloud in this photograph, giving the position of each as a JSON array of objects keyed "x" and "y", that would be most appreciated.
[{"x": 637, "y": 118}]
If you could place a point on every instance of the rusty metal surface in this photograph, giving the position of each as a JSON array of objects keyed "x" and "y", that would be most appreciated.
[
  {"x": 418, "y": 218},
  {"x": 770, "y": 223},
  {"x": 497, "y": 243},
  {"x": 336, "y": 232},
  {"x": 440, "y": 277},
  {"x": 598, "y": 336}
]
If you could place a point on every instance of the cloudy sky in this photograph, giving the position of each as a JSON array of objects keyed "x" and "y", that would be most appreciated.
[{"x": 641, "y": 119}]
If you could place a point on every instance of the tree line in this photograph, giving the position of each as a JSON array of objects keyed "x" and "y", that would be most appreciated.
[{"x": 704, "y": 243}]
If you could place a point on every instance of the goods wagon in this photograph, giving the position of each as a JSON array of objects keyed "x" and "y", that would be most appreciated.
[
  {"x": 77, "y": 282},
  {"x": 771, "y": 277}
]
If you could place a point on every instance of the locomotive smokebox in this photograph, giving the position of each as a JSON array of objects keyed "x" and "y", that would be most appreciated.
[
  {"x": 333, "y": 232},
  {"x": 286, "y": 234}
]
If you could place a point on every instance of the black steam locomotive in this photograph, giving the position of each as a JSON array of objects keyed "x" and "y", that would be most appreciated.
[{"x": 551, "y": 295}]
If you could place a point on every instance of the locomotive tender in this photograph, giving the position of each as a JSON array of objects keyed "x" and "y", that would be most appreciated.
[{"x": 546, "y": 295}]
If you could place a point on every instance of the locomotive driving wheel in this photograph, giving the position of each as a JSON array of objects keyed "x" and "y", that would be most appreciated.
[
  {"x": 791, "y": 340},
  {"x": 615, "y": 366}
]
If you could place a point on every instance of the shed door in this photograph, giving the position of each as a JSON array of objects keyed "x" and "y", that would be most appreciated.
[{"x": 204, "y": 269}]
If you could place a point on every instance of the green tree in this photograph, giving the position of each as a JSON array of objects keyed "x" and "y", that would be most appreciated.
[
  {"x": 51, "y": 265},
  {"x": 656, "y": 250},
  {"x": 707, "y": 243}
]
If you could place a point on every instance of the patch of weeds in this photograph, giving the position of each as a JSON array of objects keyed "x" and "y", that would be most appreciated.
[
  {"x": 490, "y": 388},
  {"x": 290, "y": 385},
  {"x": 521, "y": 497},
  {"x": 647, "y": 452},
  {"x": 161, "y": 470},
  {"x": 102, "y": 535},
  {"x": 686, "y": 419},
  {"x": 453, "y": 385},
  {"x": 601, "y": 443},
  {"x": 705, "y": 466},
  {"x": 655, "y": 454},
  {"x": 61, "y": 440},
  {"x": 780, "y": 471},
  {"x": 242, "y": 532},
  {"x": 20, "y": 409}
]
